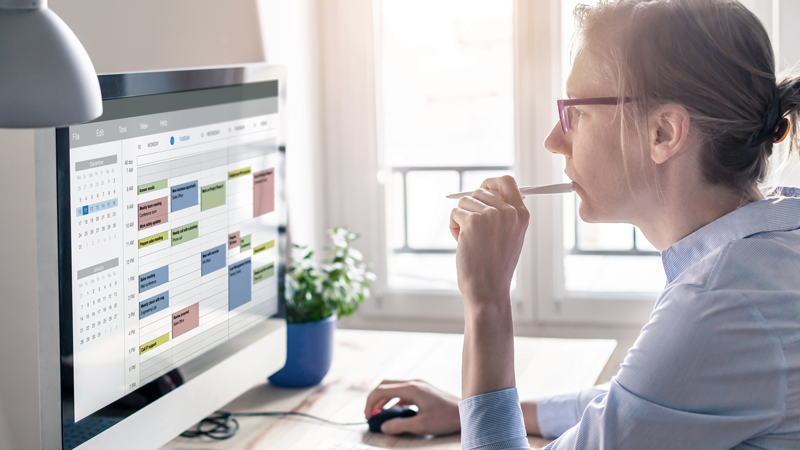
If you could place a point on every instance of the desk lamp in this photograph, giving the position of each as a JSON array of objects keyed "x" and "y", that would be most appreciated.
[{"x": 46, "y": 76}]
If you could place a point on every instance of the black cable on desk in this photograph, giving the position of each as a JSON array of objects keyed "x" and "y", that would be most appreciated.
[{"x": 223, "y": 425}]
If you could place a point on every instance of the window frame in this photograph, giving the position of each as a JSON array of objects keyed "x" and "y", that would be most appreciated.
[{"x": 355, "y": 174}]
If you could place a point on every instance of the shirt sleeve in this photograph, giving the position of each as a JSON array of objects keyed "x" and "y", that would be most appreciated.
[
  {"x": 493, "y": 421},
  {"x": 706, "y": 372},
  {"x": 557, "y": 414}
]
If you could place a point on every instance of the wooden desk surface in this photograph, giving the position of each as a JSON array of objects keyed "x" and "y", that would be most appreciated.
[{"x": 363, "y": 358}]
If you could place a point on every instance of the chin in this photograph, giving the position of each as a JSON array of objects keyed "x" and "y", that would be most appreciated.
[
  {"x": 587, "y": 214},
  {"x": 591, "y": 214}
]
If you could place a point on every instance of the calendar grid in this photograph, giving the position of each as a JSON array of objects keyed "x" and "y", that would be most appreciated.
[{"x": 174, "y": 248}]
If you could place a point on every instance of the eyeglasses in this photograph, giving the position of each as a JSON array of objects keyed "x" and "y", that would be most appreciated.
[{"x": 564, "y": 104}]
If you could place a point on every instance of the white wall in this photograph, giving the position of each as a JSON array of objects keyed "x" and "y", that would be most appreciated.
[
  {"x": 130, "y": 36},
  {"x": 291, "y": 38},
  {"x": 19, "y": 382},
  {"x": 141, "y": 36}
]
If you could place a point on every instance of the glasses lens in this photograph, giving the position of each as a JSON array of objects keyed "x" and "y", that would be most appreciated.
[{"x": 563, "y": 115}]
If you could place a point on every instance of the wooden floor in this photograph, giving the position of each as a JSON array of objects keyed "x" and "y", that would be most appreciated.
[{"x": 363, "y": 358}]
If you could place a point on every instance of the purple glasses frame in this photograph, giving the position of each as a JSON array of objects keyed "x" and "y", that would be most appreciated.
[{"x": 564, "y": 103}]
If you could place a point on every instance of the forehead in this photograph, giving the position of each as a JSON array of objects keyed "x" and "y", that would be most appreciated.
[{"x": 586, "y": 78}]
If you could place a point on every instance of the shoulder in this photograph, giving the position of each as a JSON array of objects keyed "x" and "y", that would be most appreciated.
[
  {"x": 768, "y": 261},
  {"x": 705, "y": 350},
  {"x": 764, "y": 262}
]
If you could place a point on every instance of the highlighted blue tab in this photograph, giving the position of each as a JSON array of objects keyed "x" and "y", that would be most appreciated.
[
  {"x": 184, "y": 195},
  {"x": 96, "y": 207},
  {"x": 153, "y": 305},
  {"x": 212, "y": 260},
  {"x": 153, "y": 279},
  {"x": 239, "y": 290}
]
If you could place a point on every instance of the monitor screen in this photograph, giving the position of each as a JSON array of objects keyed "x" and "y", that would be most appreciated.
[{"x": 169, "y": 221}]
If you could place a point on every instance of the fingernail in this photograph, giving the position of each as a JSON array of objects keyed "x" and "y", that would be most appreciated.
[{"x": 376, "y": 411}]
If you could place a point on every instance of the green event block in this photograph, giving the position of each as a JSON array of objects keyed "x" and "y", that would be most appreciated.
[
  {"x": 264, "y": 247},
  {"x": 152, "y": 187},
  {"x": 212, "y": 196},
  {"x": 263, "y": 273},
  {"x": 185, "y": 233},
  {"x": 244, "y": 243}
]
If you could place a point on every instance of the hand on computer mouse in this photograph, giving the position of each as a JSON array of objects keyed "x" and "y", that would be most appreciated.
[{"x": 438, "y": 410}]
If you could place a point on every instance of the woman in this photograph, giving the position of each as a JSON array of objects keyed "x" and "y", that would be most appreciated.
[{"x": 675, "y": 109}]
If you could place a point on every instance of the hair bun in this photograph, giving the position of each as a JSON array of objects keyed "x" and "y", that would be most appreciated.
[{"x": 769, "y": 127}]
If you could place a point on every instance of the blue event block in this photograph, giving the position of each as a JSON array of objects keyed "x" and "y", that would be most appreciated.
[
  {"x": 184, "y": 195},
  {"x": 212, "y": 260},
  {"x": 239, "y": 284},
  {"x": 153, "y": 305},
  {"x": 153, "y": 279}
]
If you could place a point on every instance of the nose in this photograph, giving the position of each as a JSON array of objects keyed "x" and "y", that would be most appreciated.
[{"x": 557, "y": 142}]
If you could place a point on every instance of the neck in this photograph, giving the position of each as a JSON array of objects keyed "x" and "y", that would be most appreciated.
[{"x": 682, "y": 210}]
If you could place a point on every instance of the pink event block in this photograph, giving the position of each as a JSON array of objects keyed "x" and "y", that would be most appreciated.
[
  {"x": 233, "y": 240},
  {"x": 153, "y": 213},
  {"x": 185, "y": 320},
  {"x": 263, "y": 192}
]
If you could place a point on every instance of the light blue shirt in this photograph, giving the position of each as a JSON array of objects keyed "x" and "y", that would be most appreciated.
[{"x": 716, "y": 367}]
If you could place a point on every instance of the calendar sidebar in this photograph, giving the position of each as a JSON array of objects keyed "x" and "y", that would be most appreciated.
[{"x": 96, "y": 185}]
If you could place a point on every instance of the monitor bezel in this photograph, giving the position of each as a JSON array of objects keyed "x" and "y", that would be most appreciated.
[{"x": 119, "y": 86}]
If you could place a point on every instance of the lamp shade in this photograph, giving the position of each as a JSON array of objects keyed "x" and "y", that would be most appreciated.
[{"x": 46, "y": 76}]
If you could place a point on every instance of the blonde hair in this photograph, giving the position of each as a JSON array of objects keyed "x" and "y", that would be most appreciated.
[{"x": 714, "y": 58}]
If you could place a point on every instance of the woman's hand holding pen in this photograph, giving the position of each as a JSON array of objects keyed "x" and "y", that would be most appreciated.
[{"x": 490, "y": 230}]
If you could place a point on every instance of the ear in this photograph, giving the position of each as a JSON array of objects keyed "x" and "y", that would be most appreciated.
[{"x": 669, "y": 128}]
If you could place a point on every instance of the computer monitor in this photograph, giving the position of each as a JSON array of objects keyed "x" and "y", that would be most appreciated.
[{"x": 171, "y": 250}]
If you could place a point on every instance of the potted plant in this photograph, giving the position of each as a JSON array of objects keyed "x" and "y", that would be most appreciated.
[{"x": 316, "y": 297}]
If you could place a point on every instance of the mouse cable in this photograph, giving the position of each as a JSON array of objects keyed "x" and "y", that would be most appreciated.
[{"x": 223, "y": 425}]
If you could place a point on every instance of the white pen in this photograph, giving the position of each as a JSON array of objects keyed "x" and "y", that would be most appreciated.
[{"x": 562, "y": 188}]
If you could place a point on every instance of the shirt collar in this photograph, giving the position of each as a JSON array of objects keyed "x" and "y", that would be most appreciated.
[{"x": 774, "y": 214}]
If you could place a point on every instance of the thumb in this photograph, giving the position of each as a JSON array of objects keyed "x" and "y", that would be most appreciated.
[
  {"x": 403, "y": 425},
  {"x": 507, "y": 187}
]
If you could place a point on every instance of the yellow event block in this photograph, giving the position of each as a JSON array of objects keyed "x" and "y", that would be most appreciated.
[
  {"x": 264, "y": 247},
  {"x": 155, "y": 239},
  {"x": 163, "y": 339},
  {"x": 244, "y": 171}
]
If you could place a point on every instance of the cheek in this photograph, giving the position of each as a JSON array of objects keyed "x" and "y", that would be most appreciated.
[
  {"x": 598, "y": 158},
  {"x": 600, "y": 173}
]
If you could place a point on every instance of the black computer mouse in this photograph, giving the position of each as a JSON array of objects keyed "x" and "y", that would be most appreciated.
[{"x": 377, "y": 420}]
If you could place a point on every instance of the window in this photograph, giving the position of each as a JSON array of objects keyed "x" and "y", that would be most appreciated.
[
  {"x": 464, "y": 90},
  {"x": 448, "y": 123}
]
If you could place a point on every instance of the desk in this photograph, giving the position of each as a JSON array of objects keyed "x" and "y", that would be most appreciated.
[{"x": 363, "y": 358}]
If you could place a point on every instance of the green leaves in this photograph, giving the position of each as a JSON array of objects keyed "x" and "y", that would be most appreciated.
[{"x": 338, "y": 286}]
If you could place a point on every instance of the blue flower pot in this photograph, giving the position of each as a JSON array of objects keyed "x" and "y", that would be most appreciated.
[{"x": 309, "y": 354}]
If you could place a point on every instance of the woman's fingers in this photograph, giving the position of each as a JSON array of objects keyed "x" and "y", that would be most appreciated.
[
  {"x": 458, "y": 216},
  {"x": 482, "y": 201},
  {"x": 437, "y": 410},
  {"x": 507, "y": 188},
  {"x": 385, "y": 392},
  {"x": 487, "y": 197},
  {"x": 416, "y": 425}
]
